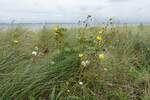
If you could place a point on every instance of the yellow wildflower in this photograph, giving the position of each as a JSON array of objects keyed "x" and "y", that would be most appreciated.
[
  {"x": 100, "y": 32},
  {"x": 80, "y": 55},
  {"x": 101, "y": 56},
  {"x": 99, "y": 38},
  {"x": 56, "y": 30}
]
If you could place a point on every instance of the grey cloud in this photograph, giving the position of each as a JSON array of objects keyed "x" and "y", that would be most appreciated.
[{"x": 71, "y": 10}]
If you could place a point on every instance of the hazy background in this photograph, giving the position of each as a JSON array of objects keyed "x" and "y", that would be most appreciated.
[{"x": 37, "y": 11}]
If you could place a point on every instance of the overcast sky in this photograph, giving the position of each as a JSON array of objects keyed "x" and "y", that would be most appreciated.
[{"x": 73, "y": 10}]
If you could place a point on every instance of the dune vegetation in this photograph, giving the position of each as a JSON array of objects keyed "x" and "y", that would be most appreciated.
[{"x": 109, "y": 62}]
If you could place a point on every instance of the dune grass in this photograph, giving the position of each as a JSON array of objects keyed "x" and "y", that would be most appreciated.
[{"x": 75, "y": 64}]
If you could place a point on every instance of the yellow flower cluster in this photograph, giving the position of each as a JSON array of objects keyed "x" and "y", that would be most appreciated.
[
  {"x": 101, "y": 56},
  {"x": 99, "y": 38}
]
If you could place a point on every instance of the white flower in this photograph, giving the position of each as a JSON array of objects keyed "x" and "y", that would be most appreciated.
[
  {"x": 15, "y": 41},
  {"x": 68, "y": 90},
  {"x": 81, "y": 83},
  {"x": 83, "y": 63},
  {"x": 105, "y": 69},
  {"x": 87, "y": 62},
  {"x": 36, "y": 48},
  {"x": 34, "y": 53}
]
